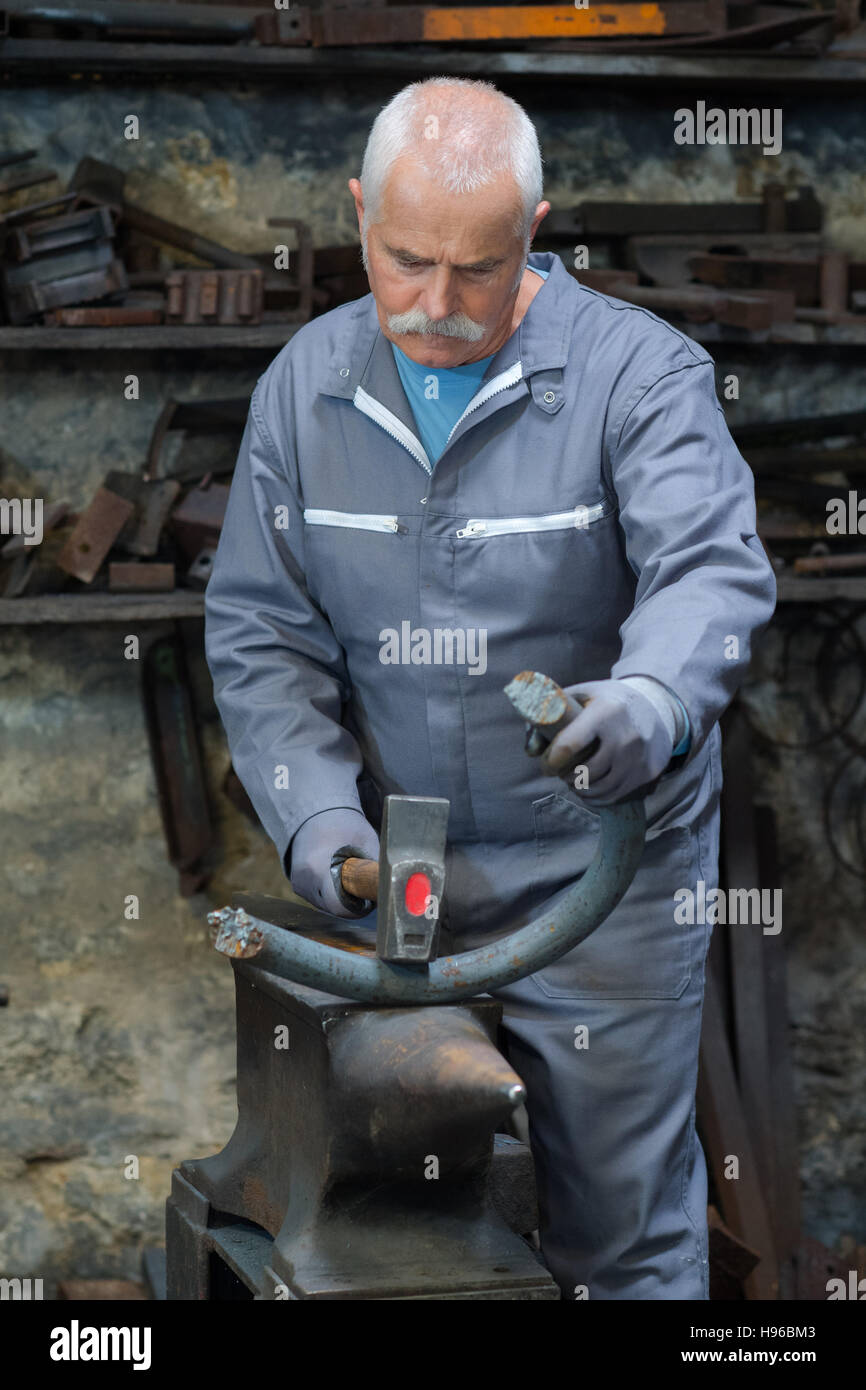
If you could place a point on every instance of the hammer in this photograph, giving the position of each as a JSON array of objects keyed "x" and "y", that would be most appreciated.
[{"x": 408, "y": 881}]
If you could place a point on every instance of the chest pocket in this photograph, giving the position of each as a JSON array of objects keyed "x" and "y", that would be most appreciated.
[
  {"x": 353, "y": 521},
  {"x": 579, "y": 518},
  {"x": 541, "y": 578}
]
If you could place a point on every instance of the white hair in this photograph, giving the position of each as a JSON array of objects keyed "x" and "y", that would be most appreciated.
[{"x": 464, "y": 134}]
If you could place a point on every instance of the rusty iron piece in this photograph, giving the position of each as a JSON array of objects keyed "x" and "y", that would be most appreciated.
[
  {"x": 833, "y": 291},
  {"x": 197, "y": 521},
  {"x": 95, "y": 181},
  {"x": 234, "y": 933},
  {"x": 148, "y": 18},
  {"x": 21, "y": 156},
  {"x": 214, "y": 296},
  {"x": 177, "y": 761},
  {"x": 666, "y": 259},
  {"x": 756, "y": 311},
  {"x": 293, "y": 914},
  {"x": 546, "y": 709},
  {"x": 759, "y": 272},
  {"x": 34, "y": 570},
  {"x": 540, "y": 701},
  {"x": 95, "y": 532},
  {"x": 830, "y": 564},
  {"x": 27, "y": 180},
  {"x": 52, "y": 234},
  {"x": 298, "y": 282},
  {"x": 105, "y": 316},
  {"x": 33, "y": 210},
  {"x": 133, "y": 577},
  {"x": 800, "y": 213},
  {"x": 87, "y": 272},
  {"x": 492, "y": 23},
  {"x": 201, "y": 569},
  {"x": 222, "y": 417},
  {"x": 287, "y": 28},
  {"x": 152, "y": 500},
  {"x": 323, "y": 1190}
]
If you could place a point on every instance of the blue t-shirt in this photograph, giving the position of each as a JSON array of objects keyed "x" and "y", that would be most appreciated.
[{"x": 439, "y": 395}]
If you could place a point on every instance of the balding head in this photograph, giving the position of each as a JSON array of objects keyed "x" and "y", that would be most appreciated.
[
  {"x": 464, "y": 135},
  {"x": 448, "y": 202}
]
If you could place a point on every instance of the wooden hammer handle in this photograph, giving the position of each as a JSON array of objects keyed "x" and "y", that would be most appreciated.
[{"x": 360, "y": 877}]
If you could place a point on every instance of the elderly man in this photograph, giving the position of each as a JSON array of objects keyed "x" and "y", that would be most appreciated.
[{"x": 482, "y": 446}]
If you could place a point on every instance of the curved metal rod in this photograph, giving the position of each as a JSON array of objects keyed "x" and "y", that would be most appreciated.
[{"x": 450, "y": 978}]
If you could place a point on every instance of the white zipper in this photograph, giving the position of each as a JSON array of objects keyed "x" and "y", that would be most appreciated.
[
  {"x": 499, "y": 383},
  {"x": 512, "y": 525},
  {"x": 391, "y": 425},
  {"x": 359, "y": 521}
]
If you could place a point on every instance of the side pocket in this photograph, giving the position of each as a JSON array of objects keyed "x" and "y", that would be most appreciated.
[{"x": 640, "y": 951}]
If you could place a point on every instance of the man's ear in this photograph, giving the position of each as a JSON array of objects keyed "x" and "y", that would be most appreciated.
[
  {"x": 540, "y": 213},
  {"x": 357, "y": 194}
]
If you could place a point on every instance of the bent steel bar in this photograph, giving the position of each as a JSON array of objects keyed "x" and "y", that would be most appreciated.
[{"x": 450, "y": 978}]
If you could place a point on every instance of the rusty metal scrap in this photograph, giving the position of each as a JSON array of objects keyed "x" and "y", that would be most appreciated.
[
  {"x": 152, "y": 501},
  {"x": 774, "y": 213},
  {"x": 754, "y": 310},
  {"x": 821, "y": 284},
  {"x": 49, "y": 234},
  {"x": 53, "y": 261},
  {"x": 134, "y": 577},
  {"x": 177, "y": 761},
  {"x": 331, "y": 27},
  {"x": 214, "y": 296},
  {"x": 95, "y": 533},
  {"x": 197, "y": 521},
  {"x": 225, "y": 418},
  {"x": 104, "y": 316},
  {"x": 96, "y": 181},
  {"x": 201, "y": 569}
]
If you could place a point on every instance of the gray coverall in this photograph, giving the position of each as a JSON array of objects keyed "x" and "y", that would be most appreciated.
[{"x": 338, "y": 528}]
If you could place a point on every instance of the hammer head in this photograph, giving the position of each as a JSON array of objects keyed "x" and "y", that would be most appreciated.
[{"x": 411, "y": 877}]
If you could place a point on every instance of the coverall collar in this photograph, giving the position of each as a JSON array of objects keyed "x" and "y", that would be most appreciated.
[{"x": 363, "y": 356}]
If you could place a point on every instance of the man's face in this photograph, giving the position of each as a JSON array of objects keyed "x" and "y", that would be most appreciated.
[{"x": 444, "y": 261}]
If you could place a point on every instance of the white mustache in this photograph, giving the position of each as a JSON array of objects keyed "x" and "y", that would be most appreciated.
[{"x": 454, "y": 326}]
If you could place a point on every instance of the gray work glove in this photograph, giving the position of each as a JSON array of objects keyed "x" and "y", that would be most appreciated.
[
  {"x": 312, "y": 850},
  {"x": 633, "y": 744}
]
